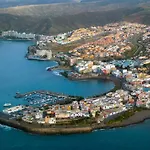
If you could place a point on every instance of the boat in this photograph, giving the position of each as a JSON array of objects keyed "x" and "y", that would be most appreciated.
[
  {"x": 147, "y": 85},
  {"x": 7, "y": 104}
]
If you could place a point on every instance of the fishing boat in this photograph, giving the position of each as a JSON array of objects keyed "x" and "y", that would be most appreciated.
[{"x": 7, "y": 104}]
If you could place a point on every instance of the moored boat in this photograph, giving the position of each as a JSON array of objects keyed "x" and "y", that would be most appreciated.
[
  {"x": 7, "y": 104},
  {"x": 147, "y": 85}
]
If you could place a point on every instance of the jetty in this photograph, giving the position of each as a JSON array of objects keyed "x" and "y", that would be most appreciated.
[
  {"x": 19, "y": 95},
  {"x": 35, "y": 128}
]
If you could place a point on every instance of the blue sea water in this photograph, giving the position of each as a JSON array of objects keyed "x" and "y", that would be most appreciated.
[
  {"x": 146, "y": 89},
  {"x": 19, "y": 74}
]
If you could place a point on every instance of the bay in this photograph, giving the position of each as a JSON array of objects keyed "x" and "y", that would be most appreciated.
[{"x": 19, "y": 74}]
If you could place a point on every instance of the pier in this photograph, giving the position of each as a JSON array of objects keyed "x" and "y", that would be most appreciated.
[
  {"x": 40, "y": 98},
  {"x": 19, "y": 95}
]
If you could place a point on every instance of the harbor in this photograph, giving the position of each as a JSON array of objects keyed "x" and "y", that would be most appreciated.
[
  {"x": 40, "y": 98},
  {"x": 108, "y": 108}
]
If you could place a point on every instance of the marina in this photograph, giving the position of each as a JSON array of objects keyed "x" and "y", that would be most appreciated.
[{"x": 41, "y": 98}]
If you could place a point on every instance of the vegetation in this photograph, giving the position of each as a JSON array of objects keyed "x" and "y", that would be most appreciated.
[
  {"x": 77, "y": 122},
  {"x": 137, "y": 47},
  {"x": 130, "y": 53}
]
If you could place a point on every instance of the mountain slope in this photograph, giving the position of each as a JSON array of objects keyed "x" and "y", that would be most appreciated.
[
  {"x": 51, "y": 10},
  {"x": 54, "y": 25},
  {"x": 12, "y": 3},
  {"x": 56, "y": 18}
]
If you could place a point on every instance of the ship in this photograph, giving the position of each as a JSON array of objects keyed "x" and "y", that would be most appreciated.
[{"x": 7, "y": 104}]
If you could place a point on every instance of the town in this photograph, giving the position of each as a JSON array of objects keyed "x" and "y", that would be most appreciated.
[
  {"x": 118, "y": 51},
  {"x": 16, "y": 35}
]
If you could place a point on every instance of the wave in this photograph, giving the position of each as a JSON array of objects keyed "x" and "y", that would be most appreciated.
[
  {"x": 57, "y": 73},
  {"x": 6, "y": 128}
]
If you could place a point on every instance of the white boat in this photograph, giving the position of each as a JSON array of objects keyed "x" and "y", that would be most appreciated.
[
  {"x": 7, "y": 104},
  {"x": 147, "y": 85}
]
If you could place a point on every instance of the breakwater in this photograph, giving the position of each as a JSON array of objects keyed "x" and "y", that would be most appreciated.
[
  {"x": 19, "y": 95},
  {"x": 42, "y": 129},
  {"x": 137, "y": 118},
  {"x": 56, "y": 98}
]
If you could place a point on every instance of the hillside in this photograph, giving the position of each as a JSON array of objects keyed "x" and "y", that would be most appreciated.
[
  {"x": 56, "y": 18},
  {"x": 53, "y": 10},
  {"x": 141, "y": 16},
  {"x": 54, "y": 25},
  {"x": 13, "y": 3}
]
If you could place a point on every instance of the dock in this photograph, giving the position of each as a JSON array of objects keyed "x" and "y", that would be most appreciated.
[{"x": 19, "y": 95}]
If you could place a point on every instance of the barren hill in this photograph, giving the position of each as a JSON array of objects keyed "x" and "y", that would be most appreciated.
[
  {"x": 56, "y": 18},
  {"x": 53, "y": 10}
]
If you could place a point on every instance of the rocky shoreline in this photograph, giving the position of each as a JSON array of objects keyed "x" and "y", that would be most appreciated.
[{"x": 137, "y": 118}]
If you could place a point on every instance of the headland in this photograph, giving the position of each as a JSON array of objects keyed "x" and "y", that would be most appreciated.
[{"x": 137, "y": 118}]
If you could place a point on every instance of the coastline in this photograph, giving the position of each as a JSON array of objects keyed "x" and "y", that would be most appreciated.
[
  {"x": 137, "y": 118},
  {"x": 65, "y": 129},
  {"x": 11, "y": 39},
  {"x": 31, "y": 56},
  {"x": 72, "y": 129},
  {"x": 117, "y": 81}
]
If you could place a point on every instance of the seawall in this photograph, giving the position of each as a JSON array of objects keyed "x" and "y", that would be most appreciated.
[
  {"x": 137, "y": 118},
  {"x": 43, "y": 130}
]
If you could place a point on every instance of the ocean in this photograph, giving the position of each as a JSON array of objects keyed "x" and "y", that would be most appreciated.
[{"x": 17, "y": 74}]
